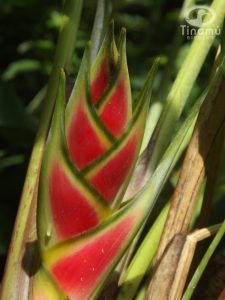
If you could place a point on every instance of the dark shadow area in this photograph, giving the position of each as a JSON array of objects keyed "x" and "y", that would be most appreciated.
[{"x": 31, "y": 259}]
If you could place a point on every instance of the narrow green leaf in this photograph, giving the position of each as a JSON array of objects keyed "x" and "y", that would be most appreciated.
[
  {"x": 13, "y": 276},
  {"x": 142, "y": 173},
  {"x": 20, "y": 67},
  {"x": 142, "y": 259},
  {"x": 183, "y": 84}
]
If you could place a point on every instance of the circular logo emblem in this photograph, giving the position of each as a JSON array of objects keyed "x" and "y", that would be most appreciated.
[{"x": 195, "y": 16}]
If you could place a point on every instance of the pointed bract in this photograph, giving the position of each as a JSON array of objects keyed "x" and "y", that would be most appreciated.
[
  {"x": 81, "y": 265},
  {"x": 104, "y": 65},
  {"x": 87, "y": 138},
  {"x": 109, "y": 172},
  {"x": 90, "y": 155},
  {"x": 67, "y": 205},
  {"x": 115, "y": 107},
  {"x": 112, "y": 170}
]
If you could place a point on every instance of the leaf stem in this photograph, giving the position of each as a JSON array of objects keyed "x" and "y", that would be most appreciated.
[
  {"x": 142, "y": 258},
  {"x": 184, "y": 82},
  {"x": 16, "y": 281}
]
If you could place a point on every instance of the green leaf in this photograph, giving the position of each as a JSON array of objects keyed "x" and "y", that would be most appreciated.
[
  {"x": 21, "y": 66},
  {"x": 143, "y": 258},
  {"x": 142, "y": 173},
  {"x": 182, "y": 86},
  {"x": 13, "y": 277}
]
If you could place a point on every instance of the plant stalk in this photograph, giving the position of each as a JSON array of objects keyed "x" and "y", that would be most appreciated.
[
  {"x": 16, "y": 278},
  {"x": 184, "y": 82},
  {"x": 209, "y": 124}
]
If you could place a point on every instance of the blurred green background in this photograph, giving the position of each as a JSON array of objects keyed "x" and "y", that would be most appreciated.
[{"x": 28, "y": 35}]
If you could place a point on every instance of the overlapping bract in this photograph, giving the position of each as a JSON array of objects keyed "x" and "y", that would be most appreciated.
[{"x": 91, "y": 152}]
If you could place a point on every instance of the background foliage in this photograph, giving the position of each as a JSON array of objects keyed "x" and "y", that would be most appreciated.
[{"x": 28, "y": 33}]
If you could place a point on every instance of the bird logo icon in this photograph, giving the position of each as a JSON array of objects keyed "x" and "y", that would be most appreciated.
[{"x": 198, "y": 15}]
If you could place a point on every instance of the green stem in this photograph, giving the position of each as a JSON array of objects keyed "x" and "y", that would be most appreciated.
[
  {"x": 157, "y": 106},
  {"x": 15, "y": 279},
  {"x": 173, "y": 53},
  {"x": 199, "y": 271},
  {"x": 143, "y": 258},
  {"x": 184, "y": 82}
]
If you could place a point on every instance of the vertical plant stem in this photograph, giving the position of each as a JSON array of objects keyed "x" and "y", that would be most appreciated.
[
  {"x": 172, "y": 56},
  {"x": 176, "y": 100},
  {"x": 142, "y": 259},
  {"x": 184, "y": 83},
  {"x": 157, "y": 106},
  {"x": 210, "y": 123},
  {"x": 16, "y": 281},
  {"x": 194, "y": 166},
  {"x": 212, "y": 172}
]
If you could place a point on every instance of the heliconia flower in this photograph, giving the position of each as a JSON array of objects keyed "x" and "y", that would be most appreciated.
[{"x": 91, "y": 152}]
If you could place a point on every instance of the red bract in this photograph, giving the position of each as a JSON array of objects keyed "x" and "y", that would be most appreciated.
[{"x": 91, "y": 152}]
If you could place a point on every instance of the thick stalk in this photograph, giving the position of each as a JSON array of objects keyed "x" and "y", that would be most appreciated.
[
  {"x": 184, "y": 83},
  {"x": 142, "y": 259},
  {"x": 176, "y": 100},
  {"x": 16, "y": 280},
  {"x": 157, "y": 106},
  {"x": 209, "y": 124}
]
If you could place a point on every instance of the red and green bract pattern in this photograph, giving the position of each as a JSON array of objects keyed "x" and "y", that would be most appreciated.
[{"x": 91, "y": 152}]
